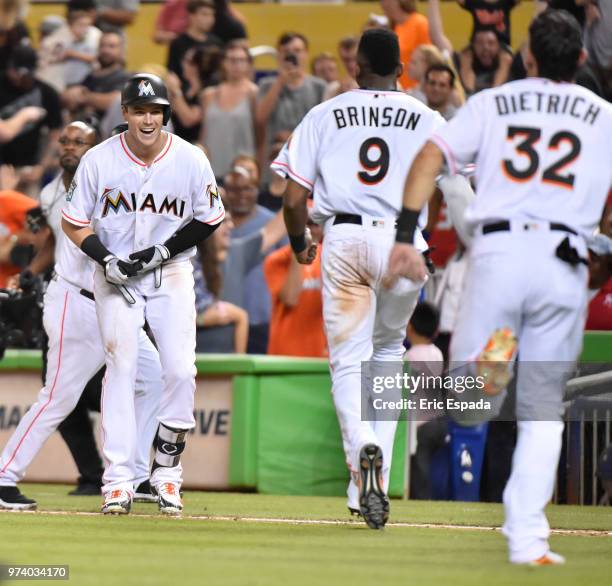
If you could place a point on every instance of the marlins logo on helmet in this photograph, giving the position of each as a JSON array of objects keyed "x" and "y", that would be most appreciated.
[{"x": 145, "y": 88}]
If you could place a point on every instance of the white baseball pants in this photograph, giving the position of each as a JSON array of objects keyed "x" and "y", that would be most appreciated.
[
  {"x": 170, "y": 313},
  {"x": 363, "y": 322},
  {"x": 75, "y": 354},
  {"x": 514, "y": 279}
]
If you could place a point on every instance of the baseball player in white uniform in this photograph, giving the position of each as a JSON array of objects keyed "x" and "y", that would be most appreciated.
[
  {"x": 543, "y": 168},
  {"x": 353, "y": 152},
  {"x": 150, "y": 196},
  {"x": 75, "y": 350}
]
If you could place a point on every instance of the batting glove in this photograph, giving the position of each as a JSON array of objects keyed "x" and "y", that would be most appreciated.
[
  {"x": 118, "y": 271},
  {"x": 150, "y": 258}
]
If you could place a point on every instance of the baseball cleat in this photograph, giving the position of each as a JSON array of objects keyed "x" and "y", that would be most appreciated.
[
  {"x": 548, "y": 559},
  {"x": 86, "y": 489},
  {"x": 493, "y": 363},
  {"x": 117, "y": 502},
  {"x": 354, "y": 512},
  {"x": 144, "y": 494},
  {"x": 169, "y": 499},
  {"x": 373, "y": 502},
  {"x": 11, "y": 499}
]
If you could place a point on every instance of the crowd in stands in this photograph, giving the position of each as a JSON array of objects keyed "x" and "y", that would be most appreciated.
[{"x": 251, "y": 294}]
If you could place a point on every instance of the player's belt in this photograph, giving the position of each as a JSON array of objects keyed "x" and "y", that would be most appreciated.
[
  {"x": 88, "y": 294},
  {"x": 348, "y": 219},
  {"x": 358, "y": 220},
  {"x": 504, "y": 226}
]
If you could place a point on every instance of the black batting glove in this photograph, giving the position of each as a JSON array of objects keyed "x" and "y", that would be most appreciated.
[{"x": 150, "y": 258}]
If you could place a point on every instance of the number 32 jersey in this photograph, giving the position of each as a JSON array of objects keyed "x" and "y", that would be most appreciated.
[
  {"x": 542, "y": 150},
  {"x": 358, "y": 148}
]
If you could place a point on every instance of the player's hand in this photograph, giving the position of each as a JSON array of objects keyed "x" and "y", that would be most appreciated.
[
  {"x": 117, "y": 271},
  {"x": 307, "y": 256},
  {"x": 150, "y": 258},
  {"x": 405, "y": 261}
]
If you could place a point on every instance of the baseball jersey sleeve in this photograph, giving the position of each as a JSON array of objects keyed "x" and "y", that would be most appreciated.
[
  {"x": 81, "y": 195},
  {"x": 460, "y": 139},
  {"x": 303, "y": 147},
  {"x": 281, "y": 163},
  {"x": 207, "y": 205}
]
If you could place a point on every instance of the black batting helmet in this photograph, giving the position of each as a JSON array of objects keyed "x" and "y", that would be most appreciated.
[{"x": 146, "y": 88}]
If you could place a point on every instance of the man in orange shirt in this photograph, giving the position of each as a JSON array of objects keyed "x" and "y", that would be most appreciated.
[
  {"x": 412, "y": 30},
  {"x": 296, "y": 324},
  {"x": 13, "y": 209}
]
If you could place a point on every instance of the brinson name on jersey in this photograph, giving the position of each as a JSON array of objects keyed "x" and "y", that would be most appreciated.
[{"x": 376, "y": 117}]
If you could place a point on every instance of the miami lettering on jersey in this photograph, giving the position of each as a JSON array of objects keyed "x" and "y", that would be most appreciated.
[{"x": 113, "y": 199}]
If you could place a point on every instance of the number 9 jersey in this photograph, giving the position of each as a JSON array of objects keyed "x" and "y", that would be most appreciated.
[
  {"x": 358, "y": 148},
  {"x": 543, "y": 152}
]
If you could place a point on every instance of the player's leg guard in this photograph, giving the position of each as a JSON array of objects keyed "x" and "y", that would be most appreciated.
[{"x": 170, "y": 444}]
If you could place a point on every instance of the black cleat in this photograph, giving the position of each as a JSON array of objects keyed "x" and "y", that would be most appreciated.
[
  {"x": 373, "y": 502},
  {"x": 86, "y": 489},
  {"x": 144, "y": 493},
  {"x": 12, "y": 499},
  {"x": 354, "y": 512}
]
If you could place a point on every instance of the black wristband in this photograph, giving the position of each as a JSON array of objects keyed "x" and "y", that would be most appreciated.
[
  {"x": 188, "y": 236},
  {"x": 298, "y": 243},
  {"x": 93, "y": 248},
  {"x": 406, "y": 225}
]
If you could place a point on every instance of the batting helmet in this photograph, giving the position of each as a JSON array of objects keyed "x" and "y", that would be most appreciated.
[{"x": 146, "y": 88}]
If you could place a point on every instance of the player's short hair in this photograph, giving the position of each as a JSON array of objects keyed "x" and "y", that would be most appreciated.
[
  {"x": 289, "y": 36},
  {"x": 555, "y": 40},
  {"x": 441, "y": 67},
  {"x": 425, "y": 320},
  {"x": 380, "y": 48},
  {"x": 194, "y": 5}
]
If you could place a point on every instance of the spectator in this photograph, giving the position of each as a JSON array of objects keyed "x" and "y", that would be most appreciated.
[
  {"x": 271, "y": 193},
  {"x": 438, "y": 88},
  {"x": 598, "y": 40},
  {"x": 228, "y": 111},
  {"x": 230, "y": 25},
  {"x": 296, "y": 324},
  {"x": 13, "y": 126},
  {"x": 173, "y": 19},
  {"x": 325, "y": 67},
  {"x": 347, "y": 51},
  {"x": 412, "y": 30},
  {"x": 249, "y": 218},
  {"x": 20, "y": 89},
  {"x": 13, "y": 209},
  {"x": 103, "y": 86},
  {"x": 284, "y": 100},
  {"x": 13, "y": 30},
  {"x": 600, "y": 307},
  {"x": 199, "y": 67},
  {"x": 201, "y": 19},
  {"x": 423, "y": 355},
  {"x": 422, "y": 58},
  {"x": 48, "y": 25},
  {"x": 484, "y": 63},
  {"x": 211, "y": 311},
  {"x": 66, "y": 57},
  {"x": 491, "y": 13},
  {"x": 116, "y": 14}
]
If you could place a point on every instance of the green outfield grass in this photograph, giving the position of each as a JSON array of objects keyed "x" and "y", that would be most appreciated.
[{"x": 137, "y": 549}]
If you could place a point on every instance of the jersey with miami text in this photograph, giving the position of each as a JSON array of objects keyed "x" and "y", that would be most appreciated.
[{"x": 132, "y": 206}]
